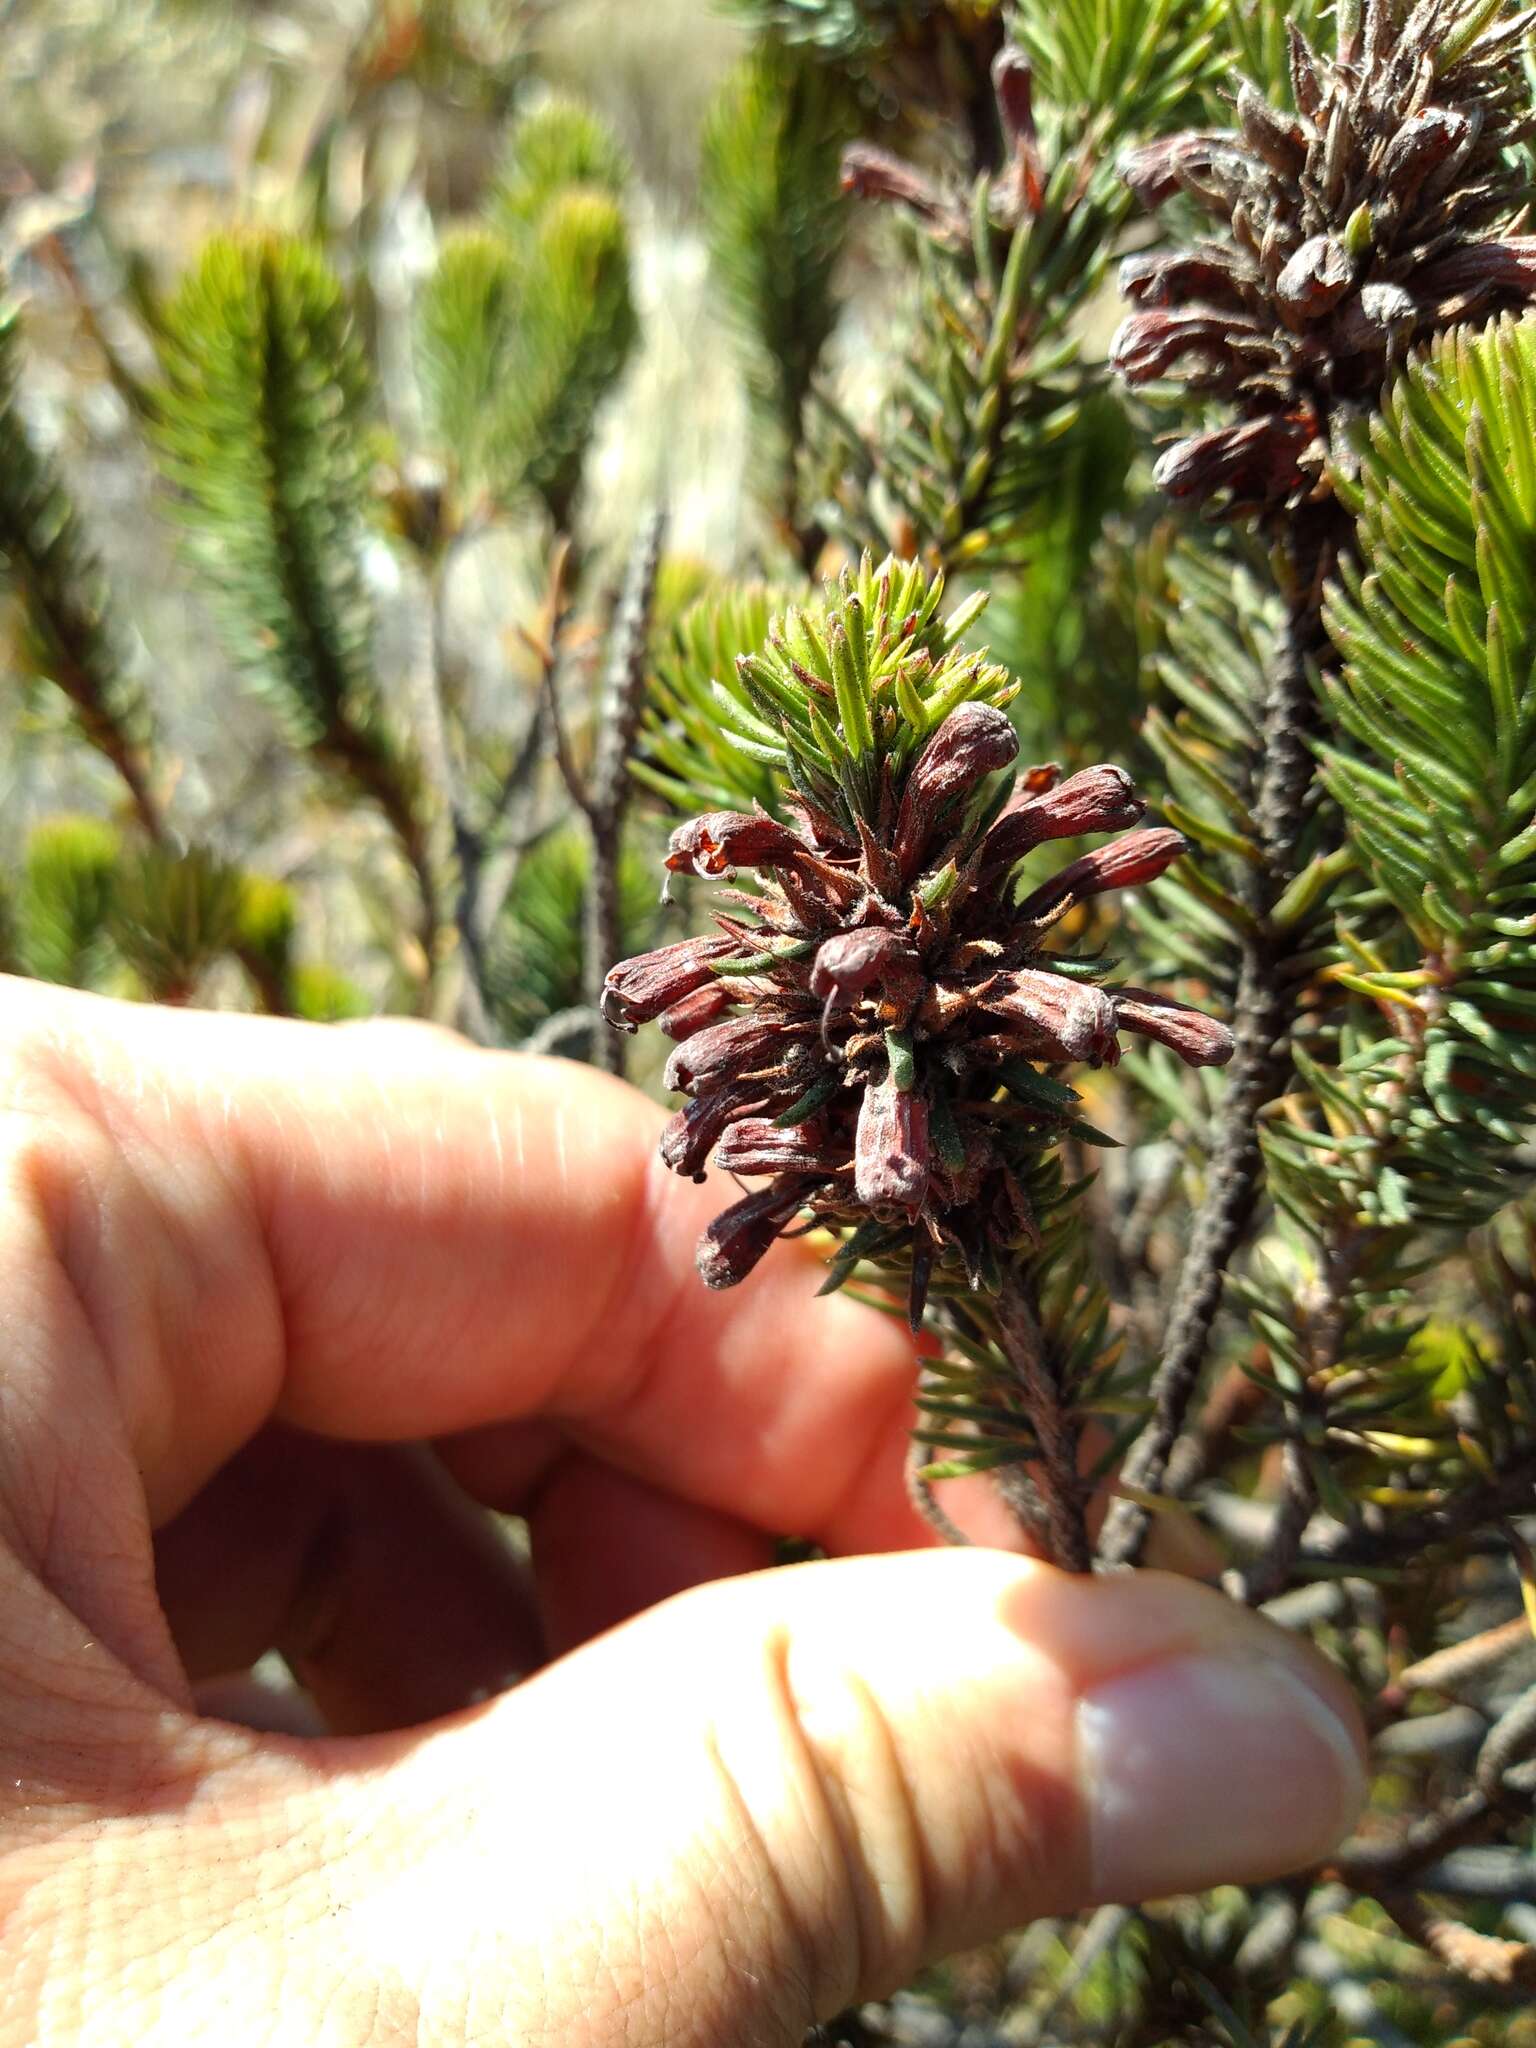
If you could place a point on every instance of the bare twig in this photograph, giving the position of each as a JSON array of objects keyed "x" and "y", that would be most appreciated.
[
  {"x": 1265, "y": 1014},
  {"x": 1235, "y": 1400},
  {"x": 1479, "y": 1958},
  {"x": 1508, "y": 1742},
  {"x": 447, "y": 774},
  {"x": 1271, "y": 1573},
  {"x": 1374, "y": 1865},
  {"x": 602, "y": 796},
  {"x": 1448, "y": 1670},
  {"x": 619, "y": 711},
  {"x": 1094, "y": 1943},
  {"x": 921, "y": 1494},
  {"x": 565, "y": 1029}
]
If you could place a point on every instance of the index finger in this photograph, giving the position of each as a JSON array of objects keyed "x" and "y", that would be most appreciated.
[{"x": 381, "y": 1233}]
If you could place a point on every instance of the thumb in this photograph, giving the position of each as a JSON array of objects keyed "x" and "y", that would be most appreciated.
[{"x": 774, "y": 1796}]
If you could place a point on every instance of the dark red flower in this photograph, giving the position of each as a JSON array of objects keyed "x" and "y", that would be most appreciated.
[{"x": 868, "y": 1033}]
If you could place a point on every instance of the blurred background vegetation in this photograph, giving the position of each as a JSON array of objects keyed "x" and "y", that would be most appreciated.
[{"x": 157, "y": 163}]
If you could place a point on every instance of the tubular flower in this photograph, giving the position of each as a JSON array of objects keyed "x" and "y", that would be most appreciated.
[
  {"x": 889, "y": 1001},
  {"x": 1383, "y": 210}
]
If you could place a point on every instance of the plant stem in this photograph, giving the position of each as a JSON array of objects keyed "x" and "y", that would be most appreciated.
[
  {"x": 1056, "y": 1427},
  {"x": 1407, "y": 1536},
  {"x": 608, "y": 790},
  {"x": 1271, "y": 1574},
  {"x": 1263, "y": 1021},
  {"x": 921, "y": 1494},
  {"x": 446, "y": 774}
]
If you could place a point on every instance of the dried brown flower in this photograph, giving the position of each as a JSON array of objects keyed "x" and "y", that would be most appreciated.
[
  {"x": 889, "y": 1000},
  {"x": 1384, "y": 209}
]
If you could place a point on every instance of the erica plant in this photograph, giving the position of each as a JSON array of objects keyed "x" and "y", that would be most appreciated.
[
  {"x": 880, "y": 1026},
  {"x": 1140, "y": 1008}
]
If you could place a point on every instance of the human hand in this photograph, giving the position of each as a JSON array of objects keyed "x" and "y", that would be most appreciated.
[{"x": 233, "y": 1250}]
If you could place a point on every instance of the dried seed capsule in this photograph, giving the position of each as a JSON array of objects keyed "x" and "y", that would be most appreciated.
[
  {"x": 871, "y": 173},
  {"x": 728, "y": 1051},
  {"x": 974, "y": 741},
  {"x": 850, "y": 962},
  {"x": 1076, "y": 1018},
  {"x": 1420, "y": 146},
  {"x": 1315, "y": 278},
  {"x": 1124, "y": 864},
  {"x": 890, "y": 1153},
  {"x": 1169, "y": 277},
  {"x": 722, "y": 840},
  {"x": 1099, "y": 799},
  {"x": 1279, "y": 138},
  {"x": 1199, "y": 1041},
  {"x": 1149, "y": 344},
  {"x": 739, "y": 1236},
  {"x": 693, "y": 1012},
  {"x": 635, "y": 991},
  {"x": 1257, "y": 461},
  {"x": 754, "y": 1145},
  {"x": 693, "y": 1133}
]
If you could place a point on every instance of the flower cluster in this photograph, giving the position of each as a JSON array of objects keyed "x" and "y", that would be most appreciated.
[
  {"x": 1381, "y": 211},
  {"x": 869, "y": 1029}
]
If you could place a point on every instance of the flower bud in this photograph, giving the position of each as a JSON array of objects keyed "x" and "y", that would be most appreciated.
[
  {"x": 722, "y": 840},
  {"x": 693, "y": 1012},
  {"x": 1199, "y": 1041},
  {"x": 871, "y": 173},
  {"x": 972, "y": 742},
  {"x": 1076, "y": 1018},
  {"x": 890, "y": 1155},
  {"x": 690, "y": 1137},
  {"x": 754, "y": 1145},
  {"x": 637, "y": 990},
  {"x": 1101, "y": 799},
  {"x": 1123, "y": 864},
  {"x": 850, "y": 962},
  {"x": 739, "y": 1236},
  {"x": 728, "y": 1051}
]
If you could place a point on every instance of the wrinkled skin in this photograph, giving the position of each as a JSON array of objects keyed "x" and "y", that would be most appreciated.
[{"x": 282, "y": 1306}]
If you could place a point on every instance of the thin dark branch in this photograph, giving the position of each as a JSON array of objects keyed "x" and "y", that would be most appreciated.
[
  {"x": 1263, "y": 1021},
  {"x": 921, "y": 1494},
  {"x": 565, "y": 760},
  {"x": 446, "y": 773},
  {"x": 608, "y": 791},
  {"x": 1374, "y": 1866},
  {"x": 1271, "y": 1574}
]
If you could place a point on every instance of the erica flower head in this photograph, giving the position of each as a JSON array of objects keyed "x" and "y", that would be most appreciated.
[
  {"x": 1383, "y": 207},
  {"x": 874, "y": 1026}
]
